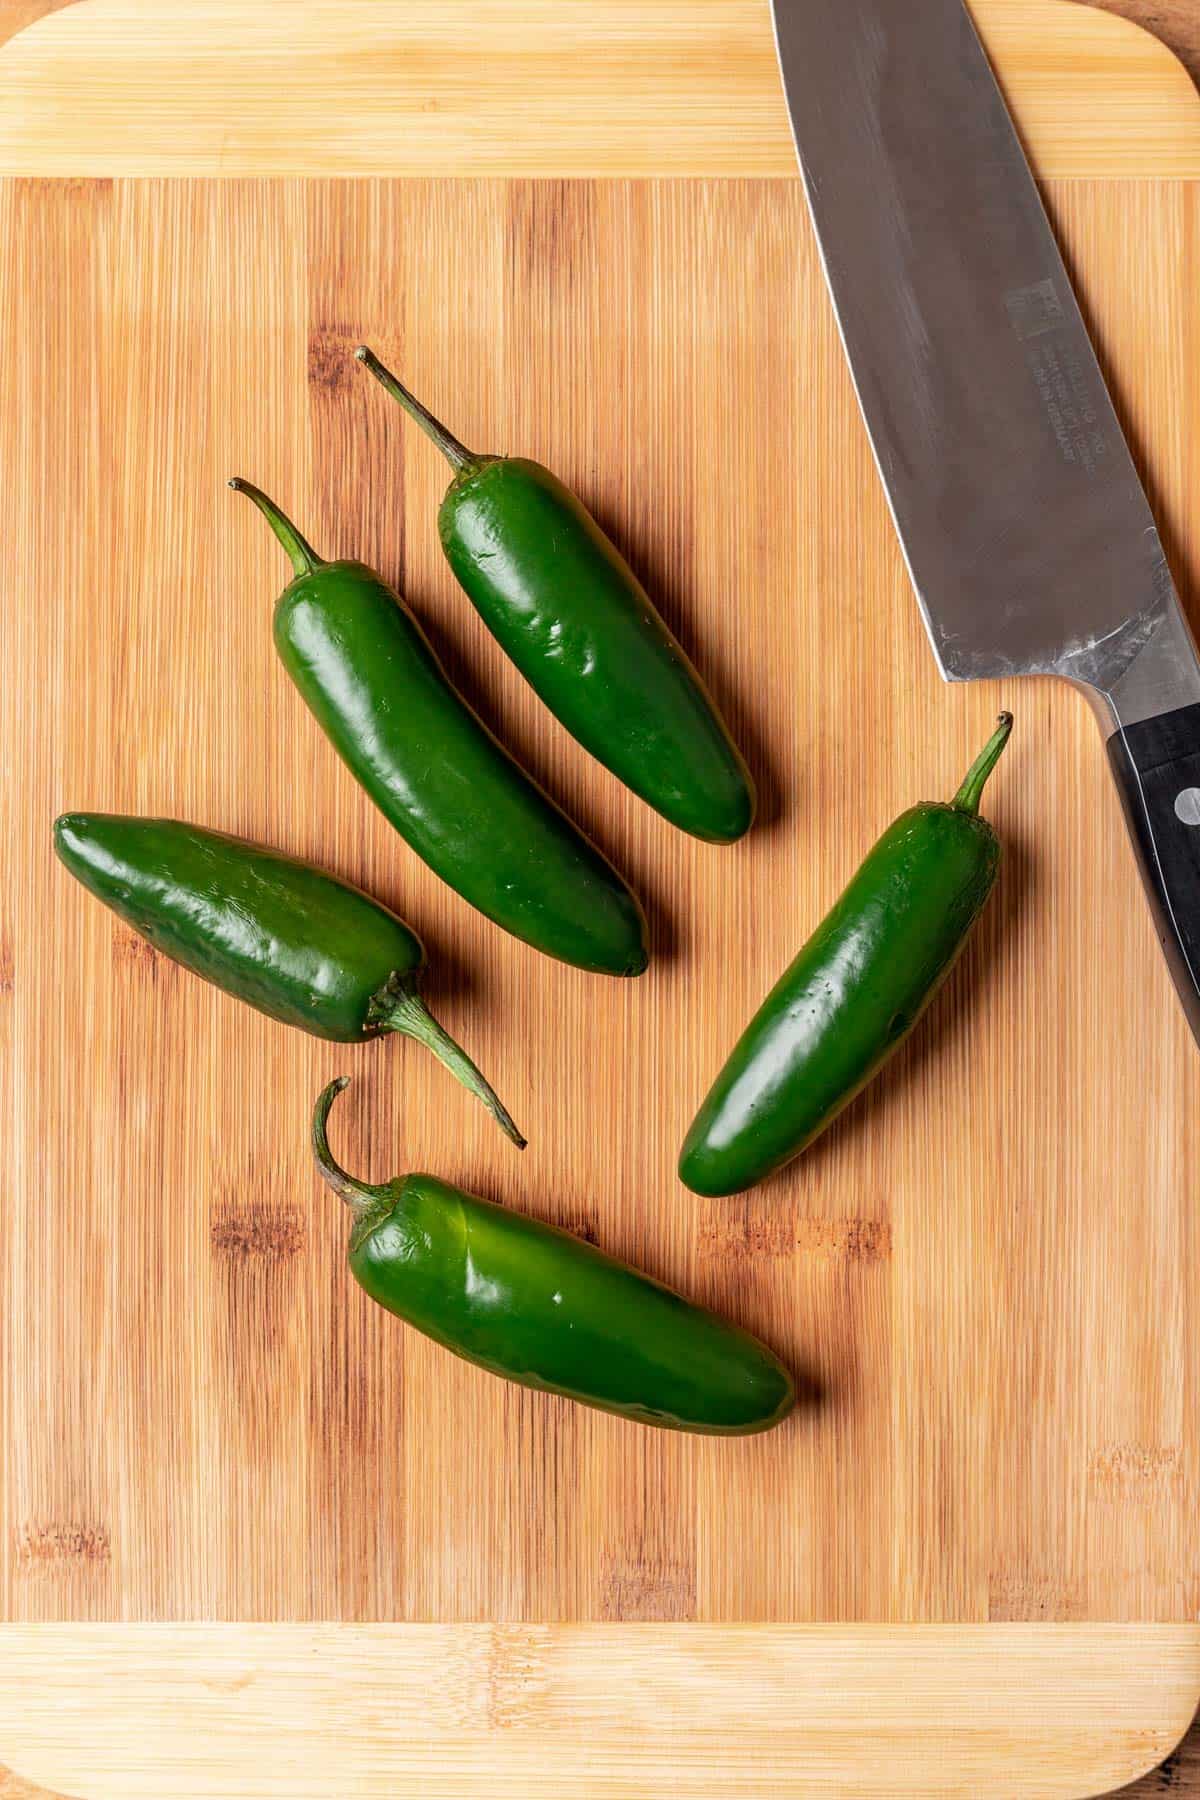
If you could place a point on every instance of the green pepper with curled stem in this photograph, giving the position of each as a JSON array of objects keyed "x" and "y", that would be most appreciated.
[
  {"x": 369, "y": 674},
  {"x": 853, "y": 993},
  {"x": 289, "y": 939},
  {"x": 564, "y": 604},
  {"x": 533, "y": 1304}
]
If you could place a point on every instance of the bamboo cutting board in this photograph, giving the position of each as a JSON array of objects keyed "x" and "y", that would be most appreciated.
[{"x": 987, "y": 1269}]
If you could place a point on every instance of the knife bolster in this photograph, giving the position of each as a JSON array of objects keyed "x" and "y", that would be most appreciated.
[{"x": 1156, "y": 765}]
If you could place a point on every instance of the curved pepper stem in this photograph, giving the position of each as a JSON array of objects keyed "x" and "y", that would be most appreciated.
[
  {"x": 456, "y": 454},
  {"x": 358, "y": 1195},
  {"x": 304, "y": 557},
  {"x": 968, "y": 796},
  {"x": 399, "y": 1007}
]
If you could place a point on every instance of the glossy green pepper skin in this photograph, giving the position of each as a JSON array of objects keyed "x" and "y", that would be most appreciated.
[
  {"x": 568, "y": 610},
  {"x": 542, "y": 1308},
  {"x": 289, "y": 939},
  {"x": 853, "y": 993},
  {"x": 370, "y": 677}
]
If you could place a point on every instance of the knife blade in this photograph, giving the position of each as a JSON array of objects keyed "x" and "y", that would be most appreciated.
[{"x": 1025, "y": 528}]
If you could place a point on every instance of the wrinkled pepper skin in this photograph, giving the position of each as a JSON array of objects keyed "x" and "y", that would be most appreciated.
[
  {"x": 568, "y": 610},
  {"x": 536, "y": 1306},
  {"x": 368, "y": 673},
  {"x": 853, "y": 993},
  {"x": 289, "y": 939}
]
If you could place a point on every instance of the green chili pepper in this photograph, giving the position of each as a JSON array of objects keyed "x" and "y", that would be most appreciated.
[
  {"x": 567, "y": 608},
  {"x": 854, "y": 992},
  {"x": 547, "y": 1310},
  {"x": 287, "y": 938},
  {"x": 370, "y": 676}
]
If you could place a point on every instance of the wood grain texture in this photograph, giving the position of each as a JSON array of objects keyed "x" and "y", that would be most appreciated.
[
  {"x": 15, "y": 15},
  {"x": 1175, "y": 23},
  {"x": 285, "y": 1400},
  {"x": 521, "y": 87},
  {"x": 1177, "y": 1777},
  {"x": 992, "y": 1294},
  {"x": 1008, "y": 1713}
]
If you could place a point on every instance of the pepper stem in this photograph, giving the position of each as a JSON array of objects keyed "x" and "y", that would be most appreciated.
[
  {"x": 398, "y": 1007},
  {"x": 968, "y": 796},
  {"x": 456, "y": 454},
  {"x": 304, "y": 557},
  {"x": 359, "y": 1197}
]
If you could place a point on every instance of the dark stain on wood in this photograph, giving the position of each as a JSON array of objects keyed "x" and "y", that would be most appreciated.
[
  {"x": 648, "y": 1590},
  {"x": 1019, "y": 1595},
  {"x": 846, "y": 1240},
  {"x": 331, "y": 364},
  {"x": 130, "y": 950},
  {"x": 257, "y": 1231},
  {"x": 515, "y": 1676},
  {"x": 1126, "y": 1468},
  {"x": 41, "y": 1543},
  {"x": 750, "y": 1234}
]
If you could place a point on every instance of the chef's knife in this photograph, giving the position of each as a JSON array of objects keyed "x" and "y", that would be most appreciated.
[{"x": 1027, "y": 534}]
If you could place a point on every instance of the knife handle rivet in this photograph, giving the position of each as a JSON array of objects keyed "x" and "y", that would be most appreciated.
[{"x": 1187, "y": 805}]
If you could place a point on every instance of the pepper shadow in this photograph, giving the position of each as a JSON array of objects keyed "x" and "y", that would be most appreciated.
[
  {"x": 949, "y": 1019},
  {"x": 814, "y": 1391},
  {"x": 446, "y": 975},
  {"x": 533, "y": 749},
  {"x": 653, "y": 567}
]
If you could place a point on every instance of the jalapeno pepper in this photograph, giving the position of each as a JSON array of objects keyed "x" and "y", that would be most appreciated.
[
  {"x": 288, "y": 938},
  {"x": 370, "y": 676},
  {"x": 567, "y": 608},
  {"x": 542, "y": 1308},
  {"x": 854, "y": 992}
]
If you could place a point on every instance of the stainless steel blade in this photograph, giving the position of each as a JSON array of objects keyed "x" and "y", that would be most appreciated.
[{"x": 1026, "y": 529}]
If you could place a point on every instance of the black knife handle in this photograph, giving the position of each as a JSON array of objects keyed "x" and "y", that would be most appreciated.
[{"x": 1156, "y": 766}]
